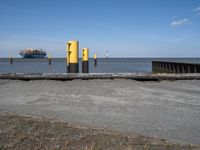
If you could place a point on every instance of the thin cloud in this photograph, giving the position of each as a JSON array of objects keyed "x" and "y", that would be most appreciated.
[
  {"x": 196, "y": 9},
  {"x": 180, "y": 22}
]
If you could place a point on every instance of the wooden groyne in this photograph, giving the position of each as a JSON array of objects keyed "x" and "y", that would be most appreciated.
[
  {"x": 174, "y": 67},
  {"x": 102, "y": 76}
]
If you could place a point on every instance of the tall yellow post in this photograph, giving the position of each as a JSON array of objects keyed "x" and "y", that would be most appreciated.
[
  {"x": 85, "y": 64},
  {"x": 72, "y": 56},
  {"x": 95, "y": 60}
]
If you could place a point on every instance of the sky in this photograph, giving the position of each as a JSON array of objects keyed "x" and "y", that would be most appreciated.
[{"x": 126, "y": 28}]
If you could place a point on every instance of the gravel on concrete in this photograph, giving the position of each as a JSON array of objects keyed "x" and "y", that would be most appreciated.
[
  {"x": 165, "y": 109},
  {"x": 36, "y": 133}
]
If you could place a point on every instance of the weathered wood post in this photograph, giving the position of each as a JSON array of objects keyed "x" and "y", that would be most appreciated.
[{"x": 11, "y": 59}]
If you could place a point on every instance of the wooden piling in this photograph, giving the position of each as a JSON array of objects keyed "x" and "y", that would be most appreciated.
[
  {"x": 11, "y": 59},
  {"x": 174, "y": 67}
]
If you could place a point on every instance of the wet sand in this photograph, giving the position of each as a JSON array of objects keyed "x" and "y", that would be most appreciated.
[{"x": 169, "y": 110}]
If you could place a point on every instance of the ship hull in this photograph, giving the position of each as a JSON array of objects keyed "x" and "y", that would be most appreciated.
[{"x": 32, "y": 56}]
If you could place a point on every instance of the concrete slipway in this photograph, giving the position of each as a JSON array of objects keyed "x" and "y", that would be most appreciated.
[{"x": 166, "y": 109}]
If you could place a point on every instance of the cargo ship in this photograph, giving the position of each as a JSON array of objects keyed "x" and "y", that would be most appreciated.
[{"x": 32, "y": 53}]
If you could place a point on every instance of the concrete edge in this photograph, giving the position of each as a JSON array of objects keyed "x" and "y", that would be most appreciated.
[{"x": 102, "y": 76}]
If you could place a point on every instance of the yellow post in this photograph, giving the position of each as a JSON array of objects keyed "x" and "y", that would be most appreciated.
[
  {"x": 72, "y": 56},
  {"x": 95, "y": 60},
  {"x": 49, "y": 58},
  {"x": 85, "y": 64}
]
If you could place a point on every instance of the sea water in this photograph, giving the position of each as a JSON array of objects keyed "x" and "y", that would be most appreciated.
[{"x": 110, "y": 65}]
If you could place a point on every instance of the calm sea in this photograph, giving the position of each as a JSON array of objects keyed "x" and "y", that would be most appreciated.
[{"x": 111, "y": 65}]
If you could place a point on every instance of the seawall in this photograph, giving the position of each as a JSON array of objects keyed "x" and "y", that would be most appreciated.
[{"x": 90, "y": 76}]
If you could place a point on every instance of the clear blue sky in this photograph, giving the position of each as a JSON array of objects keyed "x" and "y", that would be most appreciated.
[{"x": 128, "y": 28}]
